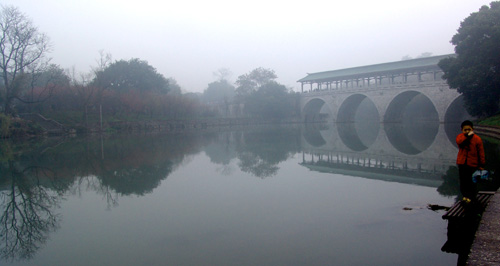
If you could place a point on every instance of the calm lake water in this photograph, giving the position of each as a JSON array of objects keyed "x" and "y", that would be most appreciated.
[{"x": 289, "y": 195}]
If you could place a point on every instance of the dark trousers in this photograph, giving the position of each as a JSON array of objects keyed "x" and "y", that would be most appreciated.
[{"x": 467, "y": 187}]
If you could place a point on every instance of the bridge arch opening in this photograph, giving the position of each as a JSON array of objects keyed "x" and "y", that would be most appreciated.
[
  {"x": 456, "y": 112},
  {"x": 411, "y": 122},
  {"x": 314, "y": 110},
  {"x": 411, "y": 106},
  {"x": 454, "y": 116},
  {"x": 312, "y": 135},
  {"x": 358, "y": 122}
]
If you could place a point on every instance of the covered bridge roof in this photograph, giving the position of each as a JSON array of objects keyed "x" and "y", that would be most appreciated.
[{"x": 373, "y": 70}]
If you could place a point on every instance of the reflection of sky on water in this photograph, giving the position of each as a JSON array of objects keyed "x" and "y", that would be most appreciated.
[{"x": 296, "y": 217}]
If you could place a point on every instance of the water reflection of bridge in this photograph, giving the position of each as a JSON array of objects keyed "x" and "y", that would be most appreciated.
[{"x": 394, "y": 152}]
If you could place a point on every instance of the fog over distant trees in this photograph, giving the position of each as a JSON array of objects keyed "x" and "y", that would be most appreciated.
[
  {"x": 121, "y": 89},
  {"x": 132, "y": 89},
  {"x": 263, "y": 97}
]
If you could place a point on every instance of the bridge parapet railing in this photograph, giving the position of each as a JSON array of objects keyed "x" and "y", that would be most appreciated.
[
  {"x": 420, "y": 165},
  {"x": 378, "y": 87}
]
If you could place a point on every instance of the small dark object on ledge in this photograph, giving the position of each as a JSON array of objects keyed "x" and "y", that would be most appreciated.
[{"x": 436, "y": 207}]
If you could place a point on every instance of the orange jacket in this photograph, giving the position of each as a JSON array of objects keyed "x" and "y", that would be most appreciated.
[{"x": 470, "y": 150}]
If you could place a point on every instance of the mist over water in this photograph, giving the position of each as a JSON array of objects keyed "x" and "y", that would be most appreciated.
[{"x": 294, "y": 195}]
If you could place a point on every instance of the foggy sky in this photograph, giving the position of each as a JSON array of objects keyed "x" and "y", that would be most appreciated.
[{"x": 190, "y": 39}]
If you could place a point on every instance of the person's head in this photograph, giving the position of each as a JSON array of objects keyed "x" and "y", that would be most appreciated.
[{"x": 467, "y": 126}]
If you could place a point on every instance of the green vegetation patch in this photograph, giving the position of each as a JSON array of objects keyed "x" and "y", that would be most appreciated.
[{"x": 491, "y": 121}]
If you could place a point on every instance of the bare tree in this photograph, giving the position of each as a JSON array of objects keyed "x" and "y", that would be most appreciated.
[
  {"x": 23, "y": 52},
  {"x": 87, "y": 86},
  {"x": 81, "y": 83},
  {"x": 222, "y": 74},
  {"x": 27, "y": 211},
  {"x": 104, "y": 60}
]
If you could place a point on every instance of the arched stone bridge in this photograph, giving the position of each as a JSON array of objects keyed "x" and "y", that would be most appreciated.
[{"x": 390, "y": 92}]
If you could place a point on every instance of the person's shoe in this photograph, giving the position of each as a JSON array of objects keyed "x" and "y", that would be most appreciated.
[{"x": 466, "y": 200}]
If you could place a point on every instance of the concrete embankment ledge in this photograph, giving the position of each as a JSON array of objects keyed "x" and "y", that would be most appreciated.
[
  {"x": 485, "y": 250},
  {"x": 489, "y": 131}
]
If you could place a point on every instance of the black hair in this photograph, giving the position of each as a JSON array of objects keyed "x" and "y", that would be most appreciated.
[{"x": 466, "y": 123}]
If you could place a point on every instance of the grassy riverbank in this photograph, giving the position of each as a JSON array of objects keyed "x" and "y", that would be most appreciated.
[
  {"x": 490, "y": 128},
  {"x": 491, "y": 121},
  {"x": 36, "y": 125}
]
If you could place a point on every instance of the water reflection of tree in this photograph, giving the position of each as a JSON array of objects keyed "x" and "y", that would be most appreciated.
[
  {"x": 451, "y": 185},
  {"x": 34, "y": 176},
  {"x": 28, "y": 198},
  {"x": 221, "y": 150},
  {"x": 93, "y": 184},
  {"x": 252, "y": 163},
  {"x": 134, "y": 165},
  {"x": 123, "y": 164},
  {"x": 260, "y": 151},
  {"x": 135, "y": 180}
]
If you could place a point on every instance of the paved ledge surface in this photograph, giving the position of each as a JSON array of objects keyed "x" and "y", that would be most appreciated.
[
  {"x": 490, "y": 131},
  {"x": 485, "y": 250}
]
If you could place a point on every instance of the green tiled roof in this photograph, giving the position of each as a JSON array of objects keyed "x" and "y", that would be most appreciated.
[{"x": 397, "y": 66}]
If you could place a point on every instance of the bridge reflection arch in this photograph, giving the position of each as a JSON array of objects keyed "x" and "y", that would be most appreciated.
[
  {"x": 312, "y": 135},
  {"x": 412, "y": 122},
  {"x": 358, "y": 122}
]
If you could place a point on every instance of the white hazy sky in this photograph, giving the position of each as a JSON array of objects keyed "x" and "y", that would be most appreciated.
[{"x": 190, "y": 39}]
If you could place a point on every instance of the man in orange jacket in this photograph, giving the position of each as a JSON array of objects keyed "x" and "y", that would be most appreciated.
[{"x": 470, "y": 158}]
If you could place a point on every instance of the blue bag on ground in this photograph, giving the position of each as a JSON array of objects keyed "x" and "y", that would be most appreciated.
[{"x": 480, "y": 175}]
